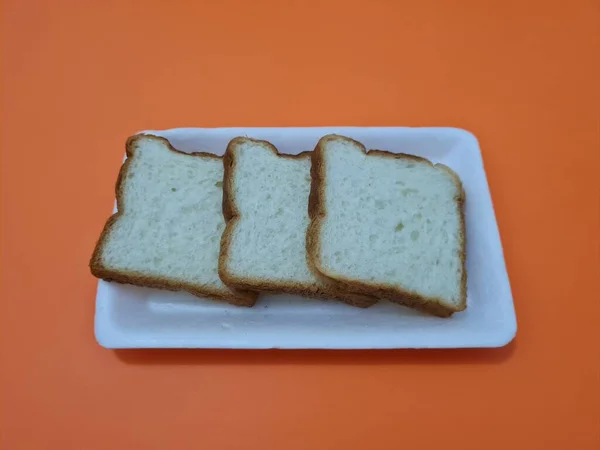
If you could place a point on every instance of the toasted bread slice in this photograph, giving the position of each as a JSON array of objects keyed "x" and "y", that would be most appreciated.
[
  {"x": 167, "y": 230},
  {"x": 265, "y": 204},
  {"x": 388, "y": 225}
]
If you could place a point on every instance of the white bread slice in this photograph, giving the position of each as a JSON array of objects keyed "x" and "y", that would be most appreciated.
[
  {"x": 167, "y": 230},
  {"x": 388, "y": 225},
  {"x": 265, "y": 203}
]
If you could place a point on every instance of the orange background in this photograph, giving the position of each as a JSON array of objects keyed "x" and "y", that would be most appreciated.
[{"x": 78, "y": 77}]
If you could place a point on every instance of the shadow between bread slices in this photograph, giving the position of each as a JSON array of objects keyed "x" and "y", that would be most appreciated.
[{"x": 395, "y": 292}]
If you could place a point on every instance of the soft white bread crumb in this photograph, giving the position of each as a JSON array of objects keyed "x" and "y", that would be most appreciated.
[
  {"x": 169, "y": 225},
  {"x": 389, "y": 224},
  {"x": 264, "y": 246}
]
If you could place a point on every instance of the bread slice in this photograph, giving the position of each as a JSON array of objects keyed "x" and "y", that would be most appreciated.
[
  {"x": 265, "y": 204},
  {"x": 388, "y": 225},
  {"x": 167, "y": 230}
]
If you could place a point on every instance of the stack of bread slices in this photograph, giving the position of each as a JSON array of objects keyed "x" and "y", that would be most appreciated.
[{"x": 338, "y": 222}]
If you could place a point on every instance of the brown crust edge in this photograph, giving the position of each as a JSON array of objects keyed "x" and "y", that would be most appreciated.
[
  {"x": 99, "y": 270},
  {"x": 317, "y": 213},
  {"x": 231, "y": 214}
]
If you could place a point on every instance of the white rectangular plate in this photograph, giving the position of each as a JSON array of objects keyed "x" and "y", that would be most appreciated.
[{"x": 133, "y": 317}]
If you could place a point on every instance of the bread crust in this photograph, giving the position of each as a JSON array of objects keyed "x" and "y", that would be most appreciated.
[
  {"x": 99, "y": 270},
  {"x": 318, "y": 213},
  {"x": 329, "y": 290}
]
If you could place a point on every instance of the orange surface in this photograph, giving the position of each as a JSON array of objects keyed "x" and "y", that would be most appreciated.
[{"x": 79, "y": 76}]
